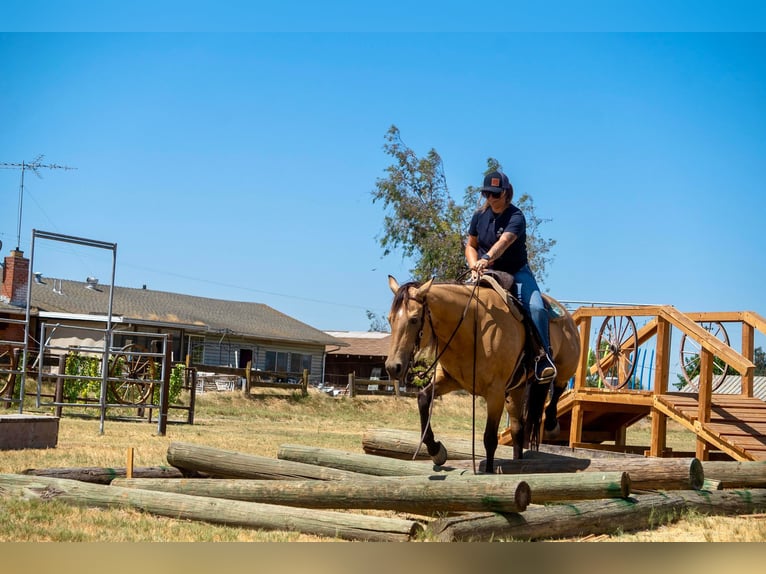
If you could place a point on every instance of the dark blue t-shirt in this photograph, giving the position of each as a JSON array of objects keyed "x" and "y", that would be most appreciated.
[{"x": 487, "y": 227}]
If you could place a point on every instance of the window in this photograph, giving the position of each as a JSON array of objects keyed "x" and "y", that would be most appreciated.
[
  {"x": 282, "y": 362},
  {"x": 300, "y": 362},
  {"x": 196, "y": 350}
]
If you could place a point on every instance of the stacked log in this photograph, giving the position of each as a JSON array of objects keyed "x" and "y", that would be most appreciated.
[
  {"x": 316, "y": 491},
  {"x": 645, "y": 473}
]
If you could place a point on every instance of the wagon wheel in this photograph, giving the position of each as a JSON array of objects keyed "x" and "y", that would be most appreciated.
[
  {"x": 616, "y": 350},
  {"x": 690, "y": 356},
  {"x": 136, "y": 373},
  {"x": 7, "y": 364}
]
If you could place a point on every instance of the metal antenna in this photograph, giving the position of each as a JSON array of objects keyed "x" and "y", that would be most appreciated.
[{"x": 33, "y": 166}]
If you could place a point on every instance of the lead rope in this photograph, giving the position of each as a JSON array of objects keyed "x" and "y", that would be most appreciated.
[{"x": 473, "y": 389}]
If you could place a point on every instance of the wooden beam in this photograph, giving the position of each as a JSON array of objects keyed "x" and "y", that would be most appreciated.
[
  {"x": 706, "y": 339},
  {"x": 582, "y": 364},
  {"x": 748, "y": 351}
]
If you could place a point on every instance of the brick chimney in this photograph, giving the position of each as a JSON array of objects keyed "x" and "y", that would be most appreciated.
[{"x": 15, "y": 278}]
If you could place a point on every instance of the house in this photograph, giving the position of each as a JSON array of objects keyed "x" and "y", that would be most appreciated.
[
  {"x": 363, "y": 354},
  {"x": 210, "y": 331}
]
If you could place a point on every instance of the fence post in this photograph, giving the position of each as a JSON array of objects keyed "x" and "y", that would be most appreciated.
[
  {"x": 192, "y": 375},
  {"x": 305, "y": 383},
  {"x": 248, "y": 377},
  {"x": 351, "y": 385},
  {"x": 59, "y": 396},
  {"x": 165, "y": 389}
]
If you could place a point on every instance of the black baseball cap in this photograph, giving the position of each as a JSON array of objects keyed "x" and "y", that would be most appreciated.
[{"x": 496, "y": 182}]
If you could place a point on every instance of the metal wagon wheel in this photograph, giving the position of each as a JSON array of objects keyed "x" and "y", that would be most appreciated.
[
  {"x": 7, "y": 366},
  {"x": 690, "y": 356},
  {"x": 136, "y": 373},
  {"x": 616, "y": 351}
]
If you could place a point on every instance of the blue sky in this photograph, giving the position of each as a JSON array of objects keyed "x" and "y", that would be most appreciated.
[{"x": 239, "y": 164}]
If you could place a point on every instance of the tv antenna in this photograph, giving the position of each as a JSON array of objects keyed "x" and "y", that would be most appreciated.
[{"x": 35, "y": 165}]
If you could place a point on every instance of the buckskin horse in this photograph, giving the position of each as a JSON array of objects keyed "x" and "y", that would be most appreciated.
[{"x": 476, "y": 340}]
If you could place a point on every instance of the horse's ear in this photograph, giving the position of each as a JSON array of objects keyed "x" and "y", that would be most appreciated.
[
  {"x": 393, "y": 284},
  {"x": 423, "y": 289}
]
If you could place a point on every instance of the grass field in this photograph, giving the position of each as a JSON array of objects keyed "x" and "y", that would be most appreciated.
[{"x": 259, "y": 424}]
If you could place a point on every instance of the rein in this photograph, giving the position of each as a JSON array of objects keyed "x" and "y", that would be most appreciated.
[{"x": 427, "y": 314}]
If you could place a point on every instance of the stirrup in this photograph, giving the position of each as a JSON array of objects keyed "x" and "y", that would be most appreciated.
[{"x": 548, "y": 373}]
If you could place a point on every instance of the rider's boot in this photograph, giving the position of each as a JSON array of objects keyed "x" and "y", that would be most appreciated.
[{"x": 545, "y": 370}]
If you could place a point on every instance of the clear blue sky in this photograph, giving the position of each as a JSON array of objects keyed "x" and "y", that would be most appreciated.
[{"x": 240, "y": 165}]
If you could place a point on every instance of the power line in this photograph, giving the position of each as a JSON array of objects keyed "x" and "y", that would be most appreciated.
[{"x": 35, "y": 165}]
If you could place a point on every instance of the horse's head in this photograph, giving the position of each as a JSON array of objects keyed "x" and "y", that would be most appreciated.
[{"x": 406, "y": 318}]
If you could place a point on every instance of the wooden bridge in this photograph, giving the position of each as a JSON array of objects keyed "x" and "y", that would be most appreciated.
[{"x": 727, "y": 426}]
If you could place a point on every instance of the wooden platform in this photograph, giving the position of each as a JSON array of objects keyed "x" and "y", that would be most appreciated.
[
  {"x": 737, "y": 424},
  {"x": 606, "y": 413}
]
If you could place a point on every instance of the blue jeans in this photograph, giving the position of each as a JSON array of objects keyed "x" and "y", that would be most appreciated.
[{"x": 530, "y": 296}]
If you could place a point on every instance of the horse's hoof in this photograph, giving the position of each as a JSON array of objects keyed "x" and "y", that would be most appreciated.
[
  {"x": 553, "y": 433},
  {"x": 440, "y": 457}
]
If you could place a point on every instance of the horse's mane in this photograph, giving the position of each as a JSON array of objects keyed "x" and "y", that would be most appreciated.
[{"x": 402, "y": 295}]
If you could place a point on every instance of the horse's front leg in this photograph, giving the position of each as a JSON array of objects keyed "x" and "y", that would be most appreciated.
[{"x": 436, "y": 450}]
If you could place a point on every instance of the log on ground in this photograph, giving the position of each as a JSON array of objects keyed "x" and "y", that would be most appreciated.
[
  {"x": 229, "y": 464},
  {"x": 105, "y": 475},
  {"x": 342, "y": 525},
  {"x": 645, "y": 473},
  {"x": 595, "y": 517},
  {"x": 418, "y": 495},
  {"x": 737, "y": 474},
  {"x": 403, "y": 444},
  {"x": 357, "y": 462}
]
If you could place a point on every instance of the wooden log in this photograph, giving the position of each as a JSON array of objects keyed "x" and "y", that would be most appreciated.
[
  {"x": 595, "y": 517},
  {"x": 645, "y": 473},
  {"x": 105, "y": 475},
  {"x": 402, "y": 444},
  {"x": 737, "y": 474},
  {"x": 344, "y": 525},
  {"x": 358, "y": 463},
  {"x": 419, "y": 495},
  {"x": 228, "y": 464}
]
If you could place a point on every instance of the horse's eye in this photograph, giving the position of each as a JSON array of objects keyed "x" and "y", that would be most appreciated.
[{"x": 414, "y": 320}]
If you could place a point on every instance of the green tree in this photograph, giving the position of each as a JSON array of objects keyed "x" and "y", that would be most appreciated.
[
  {"x": 378, "y": 323},
  {"x": 426, "y": 224},
  {"x": 759, "y": 360}
]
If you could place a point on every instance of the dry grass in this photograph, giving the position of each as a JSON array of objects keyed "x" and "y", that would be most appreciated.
[{"x": 259, "y": 425}]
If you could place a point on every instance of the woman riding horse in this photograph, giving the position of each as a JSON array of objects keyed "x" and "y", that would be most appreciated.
[{"x": 477, "y": 343}]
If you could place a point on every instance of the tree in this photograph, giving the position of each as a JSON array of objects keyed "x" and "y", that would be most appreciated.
[
  {"x": 427, "y": 225},
  {"x": 378, "y": 323},
  {"x": 759, "y": 360}
]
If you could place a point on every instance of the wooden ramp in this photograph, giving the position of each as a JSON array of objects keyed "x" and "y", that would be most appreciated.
[{"x": 737, "y": 424}]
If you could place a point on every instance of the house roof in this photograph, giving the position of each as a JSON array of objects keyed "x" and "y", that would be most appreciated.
[
  {"x": 202, "y": 314},
  {"x": 371, "y": 344},
  {"x": 732, "y": 384}
]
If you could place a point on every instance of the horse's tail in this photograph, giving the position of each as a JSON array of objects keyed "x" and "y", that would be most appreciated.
[{"x": 536, "y": 395}]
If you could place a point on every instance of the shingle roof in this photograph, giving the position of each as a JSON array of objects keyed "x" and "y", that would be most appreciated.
[
  {"x": 197, "y": 313},
  {"x": 372, "y": 344}
]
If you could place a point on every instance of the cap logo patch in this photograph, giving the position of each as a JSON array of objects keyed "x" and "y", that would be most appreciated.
[{"x": 495, "y": 182}]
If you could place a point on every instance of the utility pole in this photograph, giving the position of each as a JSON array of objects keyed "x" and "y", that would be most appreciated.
[{"x": 34, "y": 165}]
